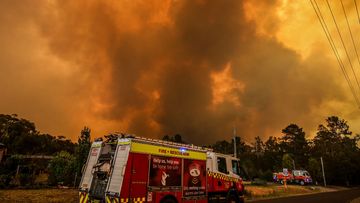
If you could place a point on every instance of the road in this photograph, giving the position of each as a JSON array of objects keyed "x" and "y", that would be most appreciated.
[{"x": 344, "y": 196}]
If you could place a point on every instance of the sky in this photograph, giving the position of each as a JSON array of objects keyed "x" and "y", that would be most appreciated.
[{"x": 194, "y": 67}]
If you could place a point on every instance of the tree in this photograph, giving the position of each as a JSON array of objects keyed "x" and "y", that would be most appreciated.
[
  {"x": 166, "y": 138},
  {"x": 250, "y": 169},
  {"x": 21, "y": 137},
  {"x": 176, "y": 138},
  {"x": 16, "y": 133},
  {"x": 287, "y": 161},
  {"x": 223, "y": 147},
  {"x": 272, "y": 158},
  {"x": 294, "y": 142},
  {"x": 259, "y": 146},
  {"x": 339, "y": 150},
  {"x": 314, "y": 169},
  {"x": 328, "y": 138},
  {"x": 83, "y": 148}
]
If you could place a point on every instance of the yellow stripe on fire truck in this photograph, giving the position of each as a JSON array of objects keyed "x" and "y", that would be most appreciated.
[
  {"x": 167, "y": 151},
  {"x": 222, "y": 176},
  {"x": 110, "y": 199},
  {"x": 83, "y": 197},
  {"x": 134, "y": 200},
  {"x": 123, "y": 141}
]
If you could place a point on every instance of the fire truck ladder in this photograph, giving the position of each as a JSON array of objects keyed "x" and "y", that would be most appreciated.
[
  {"x": 92, "y": 159},
  {"x": 118, "y": 168}
]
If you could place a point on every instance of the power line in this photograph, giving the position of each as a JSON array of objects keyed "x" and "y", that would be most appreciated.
[
  {"x": 332, "y": 44},
  {"x": 342, "y": 41},
  {"x": 357, "y": 11},
  {"x": 352, "y": 38}
]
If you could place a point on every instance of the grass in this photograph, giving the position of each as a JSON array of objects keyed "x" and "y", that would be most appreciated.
[
  {"x": 275, "y": 190},
  {"x": 39, "y": 195},
  {"x": 71, "y": 195}
]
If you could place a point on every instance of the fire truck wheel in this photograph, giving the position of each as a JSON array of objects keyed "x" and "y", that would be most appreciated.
[
  {"x": 168, "y": 199},
  {"x": 233, "y": 197},
  {"x": 302, "y": 182}
]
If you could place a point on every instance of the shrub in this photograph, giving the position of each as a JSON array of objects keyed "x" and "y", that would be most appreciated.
[
  {"x": 62, "y": 169},
  {"x": 267, "y": 175},
  {"x": 26, "y": 179}
]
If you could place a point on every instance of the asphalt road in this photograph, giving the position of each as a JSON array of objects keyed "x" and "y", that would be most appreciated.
[{"x": 344, "y": 196}]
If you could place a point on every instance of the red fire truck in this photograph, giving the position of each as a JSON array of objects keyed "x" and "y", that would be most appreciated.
[
  {"x": 301, "y": 177},
  {"x": 135, "y": 169}
]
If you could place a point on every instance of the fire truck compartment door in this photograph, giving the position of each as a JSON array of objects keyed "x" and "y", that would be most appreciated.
[
  {"x": 139, "y": 175},
  {"x": 119, "y": 164},
  {"x": 93, "y": 157}
]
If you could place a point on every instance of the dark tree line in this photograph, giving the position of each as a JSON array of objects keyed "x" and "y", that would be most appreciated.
[
  {"x": 176, "y": 138},
  {"x": 21, "y": 138},
  {"x": 334, "y": 142}
]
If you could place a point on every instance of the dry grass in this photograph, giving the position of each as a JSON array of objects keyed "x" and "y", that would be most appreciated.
[
  {"x": 275, "y": 190},
  {"x": 357, "y": 200},
  {"x": 39, "y": 195},
  {"x": 71, "y": 195}
]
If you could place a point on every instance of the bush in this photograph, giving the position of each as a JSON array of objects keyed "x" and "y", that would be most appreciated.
[
  {"x": 26, "y": 179},
  {"x": 7, "y": 171},
  {"x": 258, "y": 181},
  {"x": 267, "y": 175},
  {"x": 5, "y": 180},
  {"x": 62, "y": 169}
]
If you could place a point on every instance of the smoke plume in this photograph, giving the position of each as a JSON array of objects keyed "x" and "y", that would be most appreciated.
[{"x": 193, "y": 67}]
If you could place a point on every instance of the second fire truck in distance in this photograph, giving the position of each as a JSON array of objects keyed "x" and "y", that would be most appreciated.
[
  {"x": 135, "y": 169},
  {"x": 301, "y": 177}
]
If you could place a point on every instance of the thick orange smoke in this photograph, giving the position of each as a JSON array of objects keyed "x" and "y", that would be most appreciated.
[{"x": 197, "y": 68}]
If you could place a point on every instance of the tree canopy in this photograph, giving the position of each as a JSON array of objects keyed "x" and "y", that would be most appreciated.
[
  {"x": 334, "y": 142},
  {"x": 21, "y": 137}
]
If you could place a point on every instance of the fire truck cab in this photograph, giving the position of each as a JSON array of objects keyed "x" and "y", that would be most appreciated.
[{"x": 135, "y": 169}]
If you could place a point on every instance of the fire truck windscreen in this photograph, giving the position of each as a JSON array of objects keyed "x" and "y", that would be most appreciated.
[{"x": 235, "y": 166}]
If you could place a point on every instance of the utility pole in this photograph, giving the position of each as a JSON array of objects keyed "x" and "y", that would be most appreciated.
[
  {"x": 234, "y": 142},
  {"x": 75, "y": 179},
  {"x": 293, "y": 164},
  {"x": 323, "y": 172}
]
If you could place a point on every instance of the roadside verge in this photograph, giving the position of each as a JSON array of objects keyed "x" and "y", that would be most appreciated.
[{"x": 256, "y": 192}]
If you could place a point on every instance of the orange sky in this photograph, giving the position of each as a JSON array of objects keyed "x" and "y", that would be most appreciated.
[{"x": 197, "y": 68}]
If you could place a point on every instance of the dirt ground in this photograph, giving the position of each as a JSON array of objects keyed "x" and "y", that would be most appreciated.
[{"x": 39, "y": 195}]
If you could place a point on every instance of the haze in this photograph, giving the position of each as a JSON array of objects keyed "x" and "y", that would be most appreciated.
[{"x": 192, "y": 67}]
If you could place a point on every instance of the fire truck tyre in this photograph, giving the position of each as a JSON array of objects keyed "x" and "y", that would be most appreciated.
[
  {"x": 232, "y": 197},
  {"x": 168, "y": 199},
  {"x": 302, "y": 182}
]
